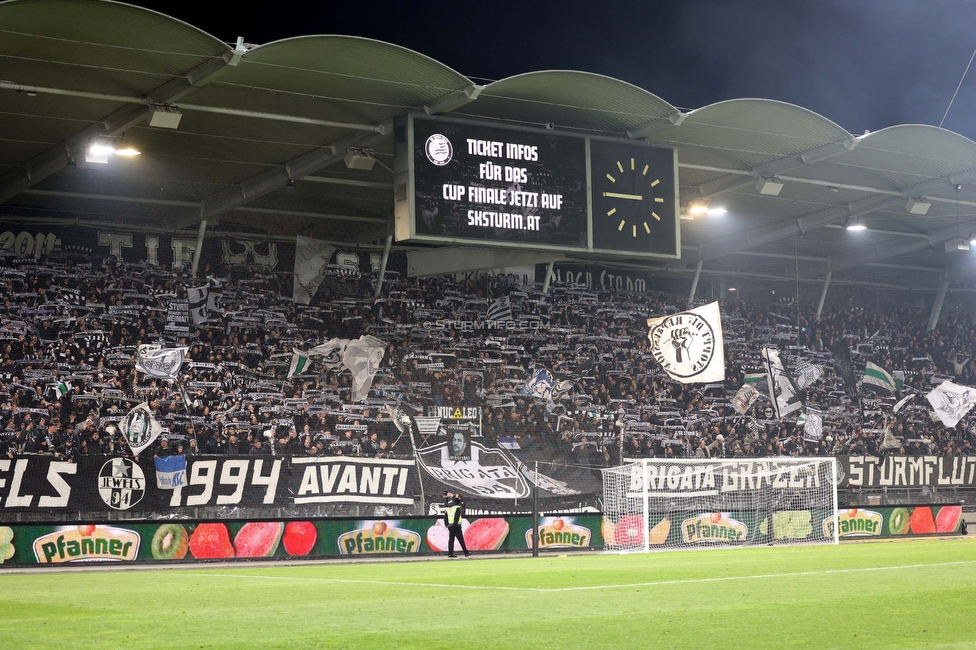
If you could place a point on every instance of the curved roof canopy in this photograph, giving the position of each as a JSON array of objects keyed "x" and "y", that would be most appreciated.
[{"x": 264, "y": 130}]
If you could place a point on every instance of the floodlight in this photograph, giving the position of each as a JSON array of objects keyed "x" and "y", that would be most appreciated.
[
  {"x": 917, "y": 205},
  {"x": 769, "y": 186},
  {"x": 854, "y": 224},
  {"x": 165, "y": 117}
]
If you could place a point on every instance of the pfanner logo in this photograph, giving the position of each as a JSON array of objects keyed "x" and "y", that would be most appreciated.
[
  {"x": 379, "y": 538},
  {"x": 854, "y": 522},
  {"x": 87, "y": 544},
  {"x": 560, "y": 533},
  {"x": 714, "y": 528}
]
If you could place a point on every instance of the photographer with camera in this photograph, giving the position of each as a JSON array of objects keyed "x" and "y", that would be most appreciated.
[{"x": 453, "y": 513}]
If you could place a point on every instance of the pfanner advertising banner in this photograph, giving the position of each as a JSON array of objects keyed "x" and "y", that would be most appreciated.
[{"x": 46, "y": 545}]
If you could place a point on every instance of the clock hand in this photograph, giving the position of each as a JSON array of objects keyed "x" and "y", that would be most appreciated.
[{"x": 617, "y": 195}]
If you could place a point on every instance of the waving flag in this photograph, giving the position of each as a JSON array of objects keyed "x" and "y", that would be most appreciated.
[
  {"x": 170, "y": 472},
  {"x": 140, "y": 428},
  {"x": 197, "y": 297},
  {"x": 951, "y": 402},
  {"x": 299, "y": 363},
  {"x": 164, "y": 363},
  {"x": 501, "y": 309},
  {"x": 875, "y": 375},
  {"x": 538, "y": 385},
  {"x": 311, "y": 258},
  {"x": 363, "y": 356},
  {"x": 689, "y": 344},
  {"x": 783, "y": 390},
  {"x": 331, "y": 352}
]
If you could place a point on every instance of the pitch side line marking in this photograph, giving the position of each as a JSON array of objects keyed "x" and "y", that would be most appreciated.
[{"x": 658, "y": 583}]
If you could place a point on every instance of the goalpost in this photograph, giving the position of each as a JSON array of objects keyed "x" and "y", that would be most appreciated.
[{"x": 657, "y": 503}]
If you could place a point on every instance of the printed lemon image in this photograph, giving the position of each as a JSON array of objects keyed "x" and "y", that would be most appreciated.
[
  {"x": 659, "y": 532},
  {"x": 795, "y": 524},
  {"x": 6, "y": 543}
]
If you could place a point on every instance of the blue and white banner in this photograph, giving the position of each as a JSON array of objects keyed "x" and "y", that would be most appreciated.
[
  {"x": 170, "y": 472},
  {"x": 539, "y": 385}
]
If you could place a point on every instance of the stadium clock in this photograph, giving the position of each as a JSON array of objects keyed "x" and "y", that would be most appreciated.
[{"x": 633, "y": 198}]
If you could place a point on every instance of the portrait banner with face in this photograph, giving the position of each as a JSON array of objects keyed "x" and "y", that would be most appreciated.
[{"x": 689, "y": 344}]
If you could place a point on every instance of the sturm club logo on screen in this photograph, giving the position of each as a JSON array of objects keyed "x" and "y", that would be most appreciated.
[
  {"x": 439, "y": 149},
  {"x": 684, "y": 344},
  {"x": 121, "y": 483}
]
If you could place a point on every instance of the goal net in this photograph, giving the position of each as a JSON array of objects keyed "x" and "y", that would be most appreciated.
[{"x": 656, "y": 503}]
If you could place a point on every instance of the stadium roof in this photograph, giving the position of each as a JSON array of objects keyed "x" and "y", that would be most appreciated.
[{"x": 264, "y": 130}]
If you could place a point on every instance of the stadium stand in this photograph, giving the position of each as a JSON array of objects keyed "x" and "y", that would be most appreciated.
[{"x": 74, "y": 321}]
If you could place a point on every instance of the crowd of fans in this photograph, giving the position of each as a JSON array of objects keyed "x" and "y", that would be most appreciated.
[{"x": 71, "y": 326}]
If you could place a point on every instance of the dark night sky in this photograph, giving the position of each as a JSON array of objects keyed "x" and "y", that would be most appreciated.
[{"x": 865, "y": 64}]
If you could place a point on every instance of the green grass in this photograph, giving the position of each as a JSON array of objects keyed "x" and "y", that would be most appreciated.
[{"x": 880, "y": 595}]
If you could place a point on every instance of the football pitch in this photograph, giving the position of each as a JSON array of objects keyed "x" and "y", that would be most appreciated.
[{"x": 905, "y": 594}]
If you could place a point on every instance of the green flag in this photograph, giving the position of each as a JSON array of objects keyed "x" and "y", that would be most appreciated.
[
  {"x": 299, "y": 363},
  {"x": 875, "y": 375}
]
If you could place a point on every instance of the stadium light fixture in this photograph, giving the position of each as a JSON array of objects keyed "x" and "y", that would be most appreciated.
[
  {"x": 917, "y": 205},
  {"x": 126, "y": 149},
  {"x": 769, "y": 185},
  {"x": 99, "y": 151},
  {"x": 697, "y": 208},
  {"x": 855, "y": 224},
  {"x": 716, "y": 212},
  {"x": 958, "y": 244}
]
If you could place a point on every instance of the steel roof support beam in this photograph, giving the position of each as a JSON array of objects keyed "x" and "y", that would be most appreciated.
[
  {"x": 765, "y": 235},
  {"x": 823, "y": 294},
  {"x": 806, "y": 223},
  {"x": 735, "y": 181},
  {"x": 656, "y": 125},
  {"x": 277, "y": 177},
  {"x": 57, "y": 157},
  {"x": 940, "y": 294},
  {"x": 454, "y": 100},
  {"x": 870, "y": 254}
]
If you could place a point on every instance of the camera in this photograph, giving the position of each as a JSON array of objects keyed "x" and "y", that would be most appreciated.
[{"x": 550, "y": 126}]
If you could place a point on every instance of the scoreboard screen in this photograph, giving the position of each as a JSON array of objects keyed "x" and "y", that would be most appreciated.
[{"x": 471, "y": 183}]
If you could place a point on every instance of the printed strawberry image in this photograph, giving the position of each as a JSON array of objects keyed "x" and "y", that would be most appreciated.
[
  {"x": 299, "y": 538},
  {"x": 629, "y": 530},
  {"x": 86, "y": 530},
  {"x": 922, "y": 522},
  {"x": 211, "y": 541}
]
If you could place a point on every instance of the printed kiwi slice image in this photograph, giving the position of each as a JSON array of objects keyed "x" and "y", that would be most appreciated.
[
  {"x": 170, "y": 542},
  {"x": 898, "y": 521}
]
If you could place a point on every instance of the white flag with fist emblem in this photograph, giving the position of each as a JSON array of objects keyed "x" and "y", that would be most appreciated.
[{"x": 689, "y": 344}]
